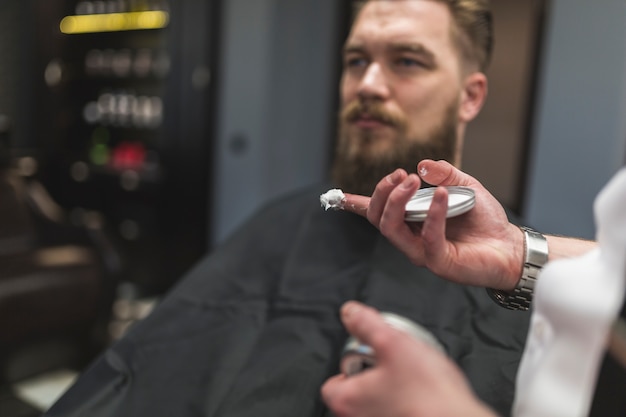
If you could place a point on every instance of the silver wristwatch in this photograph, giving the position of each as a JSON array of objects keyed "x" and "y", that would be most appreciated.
[{"x": 535, "y": 257}]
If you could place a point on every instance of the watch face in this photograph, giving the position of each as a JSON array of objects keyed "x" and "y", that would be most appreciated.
[{"x": 460, "y": 200}]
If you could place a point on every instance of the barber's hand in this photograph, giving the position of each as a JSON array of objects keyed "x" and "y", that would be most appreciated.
[
  {"x": 479, "y": 247},
  {"x": 410, "y": 378}
]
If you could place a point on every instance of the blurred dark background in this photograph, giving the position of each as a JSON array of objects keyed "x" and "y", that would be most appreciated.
[{"x": 117, "y": 125}]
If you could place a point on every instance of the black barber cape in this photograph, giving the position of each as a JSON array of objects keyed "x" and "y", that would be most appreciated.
[{"x": 254, "y": 329}]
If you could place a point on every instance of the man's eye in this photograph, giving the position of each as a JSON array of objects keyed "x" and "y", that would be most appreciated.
[
  {"x": 409, "y": 62},
  {"x": 356, "y": 62}
]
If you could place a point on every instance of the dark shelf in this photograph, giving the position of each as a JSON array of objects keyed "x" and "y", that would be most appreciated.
[{"x": 104, "y": 94}]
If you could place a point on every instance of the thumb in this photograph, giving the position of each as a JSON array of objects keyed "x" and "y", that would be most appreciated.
[
  {"x": 443, "y": 173},
  {"x": 366, "y": 324}
]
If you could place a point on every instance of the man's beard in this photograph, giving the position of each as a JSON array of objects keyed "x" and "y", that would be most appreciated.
[{"x": 358, "y": 171}]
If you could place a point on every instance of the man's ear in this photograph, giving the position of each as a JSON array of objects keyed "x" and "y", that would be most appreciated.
[{"x": 473, "y": 96}]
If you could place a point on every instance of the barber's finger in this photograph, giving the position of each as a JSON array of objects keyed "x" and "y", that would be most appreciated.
[
  {"x": 356, "y": 203},
  {"x": 392, "y": 222},
  {"x": 381, "y": 193},
  {"x": 443, "y": 173},
  {"x": 343, "y": 394},
  {"x": 332, "y": 387},
  {"x": 434, "y": 230},
  {"x": 395, "y": 206}
]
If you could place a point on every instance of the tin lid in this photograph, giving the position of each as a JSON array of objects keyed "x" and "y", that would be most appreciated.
[
  {"x": 409, "y": 326},
  {"x": 354, "y": 346},
  {"x": 357, "y": 356},
  {"x": 460, "y": 200}
]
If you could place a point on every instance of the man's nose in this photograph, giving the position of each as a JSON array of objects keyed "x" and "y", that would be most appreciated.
[{"x": 373, "y": 84}]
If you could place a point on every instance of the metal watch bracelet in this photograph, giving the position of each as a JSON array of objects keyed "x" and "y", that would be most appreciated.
[{"x": 535, "y": 257}]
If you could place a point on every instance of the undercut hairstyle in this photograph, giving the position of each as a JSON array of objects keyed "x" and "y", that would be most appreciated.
[{"x": 472, "y": 31}]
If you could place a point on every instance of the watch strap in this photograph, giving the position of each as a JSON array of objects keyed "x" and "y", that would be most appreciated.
[{"x": 535, "y": 257}]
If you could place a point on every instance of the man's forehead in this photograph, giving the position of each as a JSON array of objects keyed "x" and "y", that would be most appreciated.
[{"x": 420, "y": 22}]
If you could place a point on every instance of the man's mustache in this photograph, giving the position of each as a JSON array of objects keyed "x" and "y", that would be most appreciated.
[{"x": 357, "y": 109}]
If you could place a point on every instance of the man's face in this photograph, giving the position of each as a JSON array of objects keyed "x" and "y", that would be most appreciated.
[{"x": 400, "y": 92}]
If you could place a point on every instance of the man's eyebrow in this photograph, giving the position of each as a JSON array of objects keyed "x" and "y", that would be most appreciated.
[
  {"x": 353, "y": 48},
  {"x": 415, "y": 48}
]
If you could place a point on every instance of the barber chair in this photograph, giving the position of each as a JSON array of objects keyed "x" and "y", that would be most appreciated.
[{"x": 57, "y": 282}]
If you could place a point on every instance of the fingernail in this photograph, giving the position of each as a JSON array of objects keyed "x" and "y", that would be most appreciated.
[
  {"x": 350, "y": 308},
  {"x": 394, "y": 177},
  {"x": 409, "y": 182},
  {"x": 423, "y": 171}
]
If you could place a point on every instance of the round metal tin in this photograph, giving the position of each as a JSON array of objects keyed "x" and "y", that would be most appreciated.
[
  {"x": 460, "y": 200},
  {"x": 358, "y": 356}
]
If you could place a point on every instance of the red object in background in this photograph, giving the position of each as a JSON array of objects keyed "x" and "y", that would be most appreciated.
[{"x": 128, "y": 155}]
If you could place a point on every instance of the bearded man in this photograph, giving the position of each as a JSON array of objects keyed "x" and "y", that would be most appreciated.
[{"x": 254, "y": 330}]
